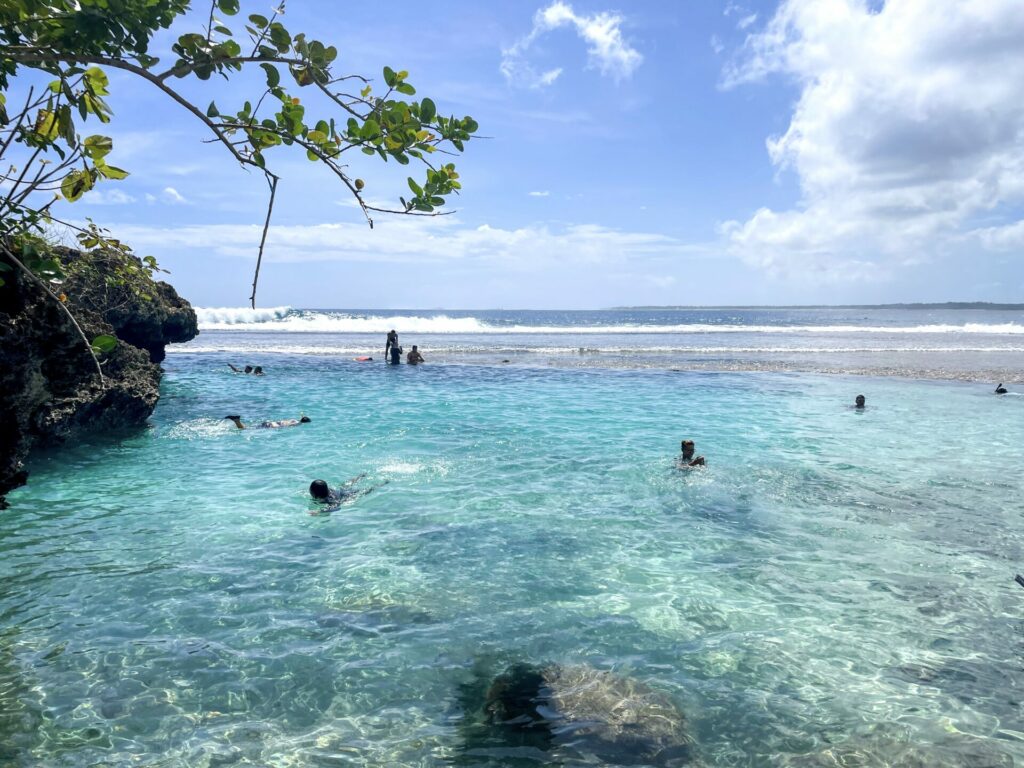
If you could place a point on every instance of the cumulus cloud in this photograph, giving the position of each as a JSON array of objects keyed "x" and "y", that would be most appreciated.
[
  {"x": 607, "y": 49},
  {"x": 107, "y": 197},
  {"x": 909, "y": 127},
  {"x": 413, "y": 240},
  {"x": 173, "y": 196}
]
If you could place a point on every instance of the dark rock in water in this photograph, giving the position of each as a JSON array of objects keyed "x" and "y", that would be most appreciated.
[
  {"x": 590, "y": 712},
  {"x": 49, "y": 391}
]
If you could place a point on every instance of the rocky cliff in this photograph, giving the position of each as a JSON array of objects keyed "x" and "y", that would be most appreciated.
[{"x": 49, "y": 390}]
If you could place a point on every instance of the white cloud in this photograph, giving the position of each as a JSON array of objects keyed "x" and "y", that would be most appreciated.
[
  {"x": 717, "y": 45},
  {"x": 1009, "y": 237},
  {"x": 414, "y": 240},
  {"x": 607, "y": 49},
  {"x": 746, "y": 21},
  {"x": 909, "y": 126},
  {"x": 545, "y": 193},
  {"x": 107, "y": 197},
  {"x": 173, "y": 196}
]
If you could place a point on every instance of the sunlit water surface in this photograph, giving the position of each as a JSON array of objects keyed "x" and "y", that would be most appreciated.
[{"x": 835, "y": 588}]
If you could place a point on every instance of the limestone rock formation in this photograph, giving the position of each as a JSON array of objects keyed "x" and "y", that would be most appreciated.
[{"x": 49, "y": 390}]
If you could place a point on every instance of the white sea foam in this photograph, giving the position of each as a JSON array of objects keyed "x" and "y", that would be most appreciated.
[
  {"x": 344, "y": 351},
  {"x": 228, "y": 317},
  {"x": 288, "y": 320}
]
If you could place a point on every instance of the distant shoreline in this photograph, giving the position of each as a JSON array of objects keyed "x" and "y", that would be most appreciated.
[{"x": 922, "y": 305}]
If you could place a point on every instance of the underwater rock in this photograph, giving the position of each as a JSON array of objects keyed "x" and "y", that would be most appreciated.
[
  {"x": 49, "y": 391},
  {"x": 591, "y": 712}
]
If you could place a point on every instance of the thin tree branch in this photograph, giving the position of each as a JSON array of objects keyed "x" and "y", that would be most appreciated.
[
  {"x": 145, "y": 74},
  {"x": 272, "y": 181}
]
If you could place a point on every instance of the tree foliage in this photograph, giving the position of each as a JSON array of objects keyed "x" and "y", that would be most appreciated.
[{"x": 47, "y": 152}]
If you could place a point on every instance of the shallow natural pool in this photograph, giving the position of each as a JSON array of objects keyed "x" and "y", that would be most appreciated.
[{"x": 835, "y": 588}]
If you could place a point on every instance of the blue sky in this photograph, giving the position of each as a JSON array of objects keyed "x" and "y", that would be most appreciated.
[{"x": 804, "y": 151}]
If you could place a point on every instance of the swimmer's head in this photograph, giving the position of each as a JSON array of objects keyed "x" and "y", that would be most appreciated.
[
  {"x": 687, "y": 447},
  {"x": 258, "y": 370},
  {"x": 305, "y": 420},
  {"x": 318, "y": 490},
  {"x": 248, "y": 369},
  {"x": 859, "y": 401}
]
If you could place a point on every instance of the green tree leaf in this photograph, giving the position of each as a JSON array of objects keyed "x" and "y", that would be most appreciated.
[
  {"x": 104, "y": 344},
  {"x": 427, "y": 111}
]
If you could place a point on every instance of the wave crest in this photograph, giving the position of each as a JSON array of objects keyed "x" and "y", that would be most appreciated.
[{"x": 289, "y": 320}]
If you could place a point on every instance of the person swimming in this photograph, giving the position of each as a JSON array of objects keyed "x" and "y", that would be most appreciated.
[
  {"x": 688, "y": 459},
  {"x": 257, "y": 371},
  {"x": 859, "y": 402},
  {"x": 334, "y": 498},
  {"x": 1000, "y": 390},
  {"x": 414, "y": 357},
  {"x": 271, "y": 424}
]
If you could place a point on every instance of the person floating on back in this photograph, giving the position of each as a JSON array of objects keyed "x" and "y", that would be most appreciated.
[
  {"x": 333, "y": 498},
  {"x": 1000, "y": 390},
  {"x": 859, "y": 402},
  {"x": 688, "y": 459},
  {"x": 271, "y": 424},
  {"x": 391, "y": 348},
  {"x": 414, "y": 357}
]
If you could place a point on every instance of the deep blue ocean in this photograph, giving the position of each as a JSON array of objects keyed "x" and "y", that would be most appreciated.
[{"x": 834, "y": 588}]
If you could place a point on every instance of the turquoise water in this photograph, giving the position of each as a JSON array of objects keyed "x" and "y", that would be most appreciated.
[{"x": 834, "y": 588}]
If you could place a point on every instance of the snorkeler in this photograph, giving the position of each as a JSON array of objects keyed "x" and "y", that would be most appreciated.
[
  {"x": 414, "y": 357},
  {"x": 859, "y": 402},
  {"x": 271, "y": 424},
  {"x": 257, "y": 371},
  {"x": 1000, "y": 390},
  {"x": 688, "y": 459},
  {"x": 334, "y": 498}
]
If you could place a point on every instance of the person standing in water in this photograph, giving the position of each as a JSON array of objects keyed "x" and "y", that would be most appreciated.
[
  {"x": 392, "y": 348},
  {"x": 414, "y": 357},
  {"x": 859, "y": 402}
]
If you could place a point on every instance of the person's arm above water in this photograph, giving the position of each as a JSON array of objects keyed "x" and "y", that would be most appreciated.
[{"x": 233, "y": 368}]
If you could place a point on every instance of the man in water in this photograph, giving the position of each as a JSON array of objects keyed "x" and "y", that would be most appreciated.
[
  {"x": 688, "y": 459},
  {"x": 271, "y": 424},
  {"x": 1000, "y": 390},
  {"x": 333, "y": 498},
  {"x": 393, "y": 348},
  {"x": 248, "y": 369},
  {"x": 414, "y": 357},
  {"x": 859, "y": 402}
]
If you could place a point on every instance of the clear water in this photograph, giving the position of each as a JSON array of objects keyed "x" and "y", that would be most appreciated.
[{"x": 835, "y": 588}]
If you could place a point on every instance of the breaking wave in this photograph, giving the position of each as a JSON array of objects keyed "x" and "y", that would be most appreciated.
[{"x": 289, "y": 320}]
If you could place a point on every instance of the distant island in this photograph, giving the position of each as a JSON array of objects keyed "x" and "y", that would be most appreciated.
[{"x": 938, "y": 305}]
